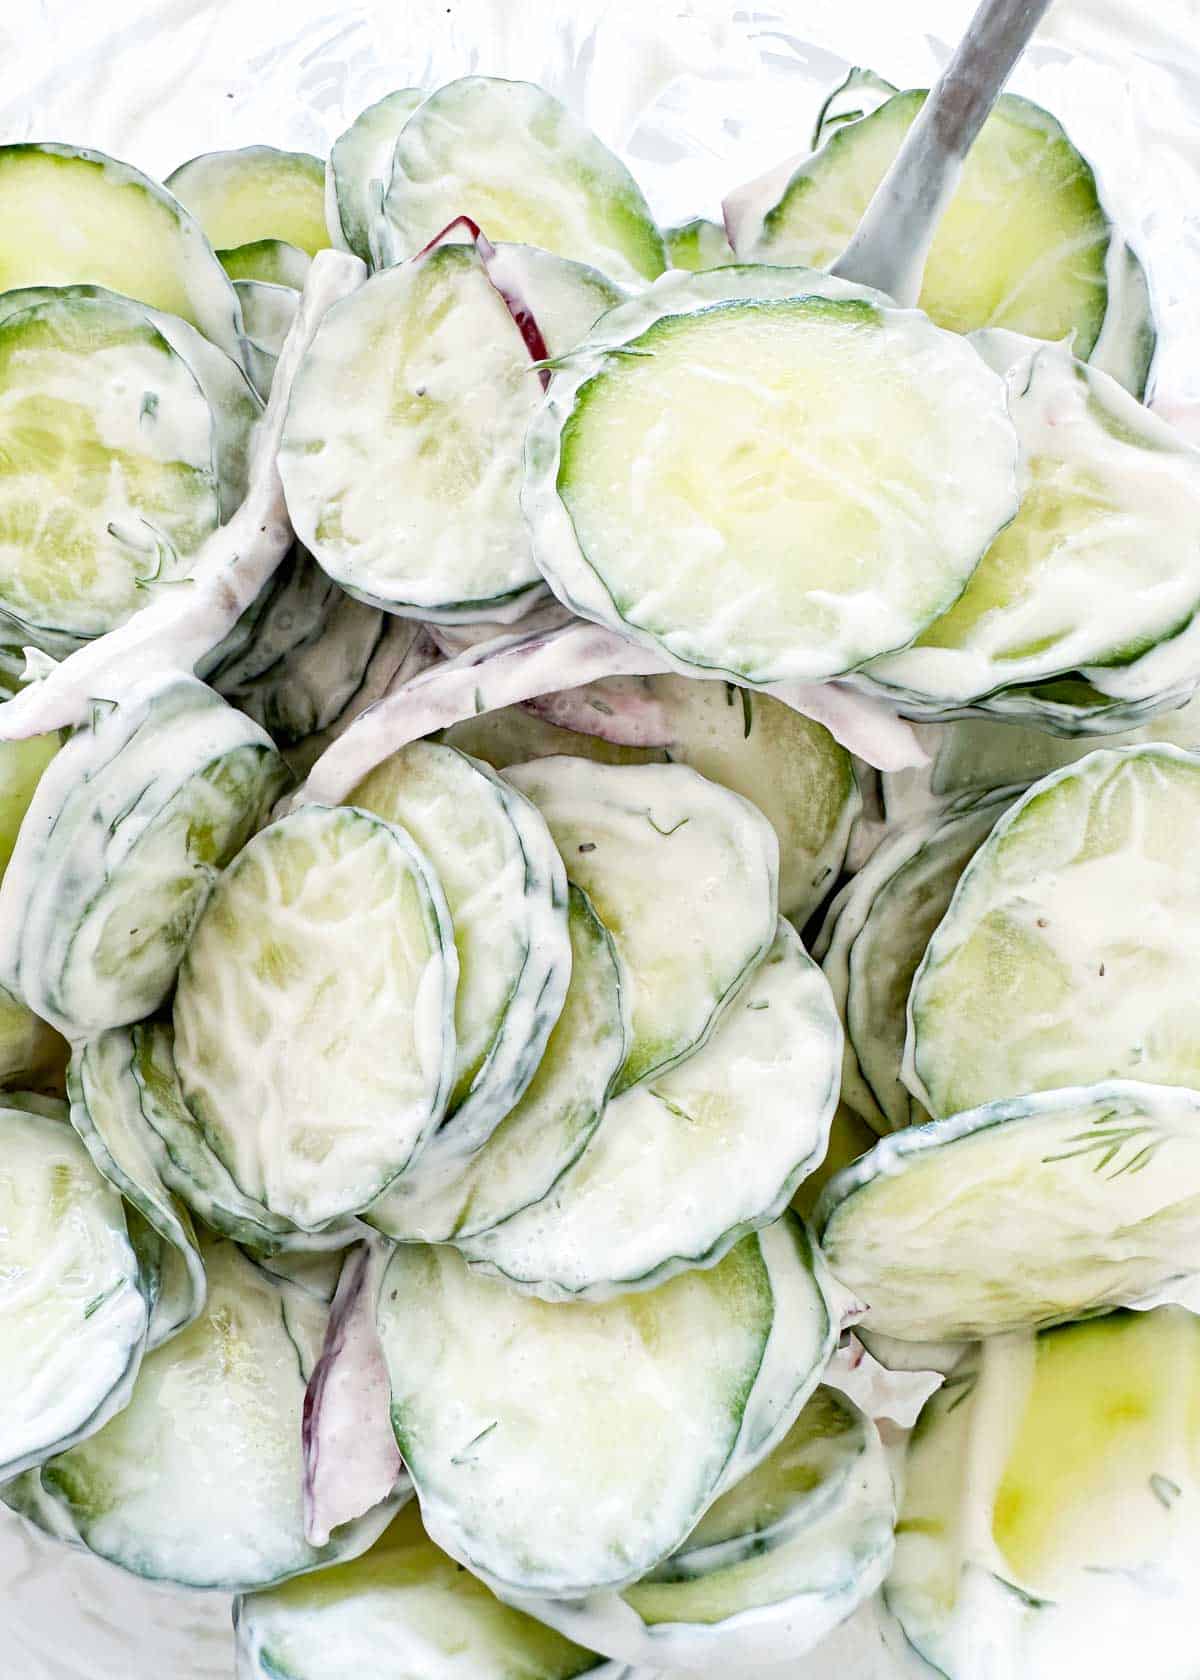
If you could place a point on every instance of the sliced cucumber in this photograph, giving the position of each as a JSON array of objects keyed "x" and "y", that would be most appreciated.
[
  {"x": 335, "y": 1064},
  {"x": 507, "y": 895},
  {"x": 230, "y": 397},
  {"x": 689, "y": 484},
  {"x": 1071, "y": 949},
  {"x": 268, "y": 312},
  {"x": 270, "y": 262},
  {"x": 1022, "y": 1213},
  {"x": 445, "y": 389},
  {"x": 689, "y": 1161},
  {"x": 120, "y": 847},
  {"x": 360, "y": 167},
  {"x": 109, "y": 480},
  {"x": 698, "y": 245},
  {"x": 73, "y": 1300},
  {"x": 32, "y": 1054},
  {"x": 1024, "y": 243},
  {"x": 652, "y": 845},
  {"x": 198, "y": 1480},
  {"x": 518, "y": 163},
  {"x": 402, "y": 1611},
  {"x": 548, "y": 1128},
  {"x": 893, "y": 907},
  {"x": 974, "y": 755},
  {"x": 513, "y": 735},
  {"x": 1050, "y": 1506},
  {"x": 77, "y": 216},
  {"x": 585, "y": 1460},
  {"x": 770, "y": 1569},
  {"x": 1096, "y": 568},
  {"x": 790, "y": 767},
  {"x": 153, "y": 1106},
  {"x": 255, "y": 193},
  {"x": 99, "y": 1083}
]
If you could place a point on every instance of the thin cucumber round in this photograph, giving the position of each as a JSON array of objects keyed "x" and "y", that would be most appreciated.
[
  {"x": 1024, "y": 243},
  {"x": 909, "y": 883},
  {"x": 689, "y": 484},
  {"x": 154, "y": 1108},
  {"x": 268, "y": 311},
  {"x": 360, "y": 167},
  {"x": 74, "y": 216},
  {"x": 1020, "y": 1214},
  {"x": 506, "y": 891},
  {"x": 197, "y": 1481},
  {"x": 1050, "y": 1505},
  {"x": 1097, "y": 567},
  {"x": 513, "y": 735},
  {"x": 270, "y": 262},
  {"x": 551, "y": 1124},
  {"x": 255, "y": 193},
  {"x": 650, "y": 844},
  {"x": 109, "y": 479},
  {"x": 74, "y": 1304},
  {"x": 1070, "y": 952},
  {"x": 335, "y": 1063},
  {"x": 517, "y": 162},
  {"x": 698, "y": 245},
  {"x": 687, "y": 1162},
  {"x": 585, "y": 1460},
  {"x": 770, "y": 1569},
  {"x": 444, "y": 391},
  {"x": 231, "y": 398},
  {"x": 32, "y": 1053},
  {"x": 115, "y": 1135},
  {"x": 402, "y": 1611},
  {"x": 119, "y": 850}
]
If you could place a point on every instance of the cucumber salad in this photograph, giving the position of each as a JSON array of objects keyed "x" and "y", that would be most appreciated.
[{"x": 598, "y": 912}]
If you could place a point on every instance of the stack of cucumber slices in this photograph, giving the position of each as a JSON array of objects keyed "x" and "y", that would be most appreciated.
[{"x": 596, "y": 868}]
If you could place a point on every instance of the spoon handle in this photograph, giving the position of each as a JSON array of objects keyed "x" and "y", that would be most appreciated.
[{"x": 892, "y": 241}]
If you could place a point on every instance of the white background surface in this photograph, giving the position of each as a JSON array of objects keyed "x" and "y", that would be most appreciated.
[{"x": 698, "y": 96}]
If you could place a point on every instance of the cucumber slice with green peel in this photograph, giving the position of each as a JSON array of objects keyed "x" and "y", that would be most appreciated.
[
  {"x": 686, "y": 1163},
  {"x": 1095, "y": 569},
  {"x": 118, "y": 852},
  {"x": 445, "y": 391},
  {"x": 507, "y": 895},
  {"x": 76, "y": 216},
  {"x": 786, "y": 540},
  {"x": 154, "y": 1105},
  {"x": 127, "y": 1154},
  {"x": 1069, "y": 952},
  {"x": 257, "y": 192},
  {"x": 649, "y": 844},
  {"x": 549, "y": 1127},
  {"x": 1033, "y": 1211},
  {"x": 521, "y": 166},
  {"x": 770, "y": 1569},
  {"x": 230, "y": 396},
  {"x": 268, "y": 312},
  {"x": 905, "y": 891},
  {"x": 698, "y": 245},
  {"x": 975, "y": 755},
  {"x": 109, "y": 482},
  {"x": 1050, "y": 1505},
  {"x": 272, "y": 262},
  {"x": 320, "y": 1084},
  {"x": 658, "y": 1399},
  {"x": 1025, "y": 242},
  {"x": 402, "y": 1611},
  {"x": 513, "y": 735},
  {"x": 360, "y": 167},
  {"x": 198, "y": 1480},
  {"x": 74, "y": 1303},
  {"x": 790, "y": 767}
]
